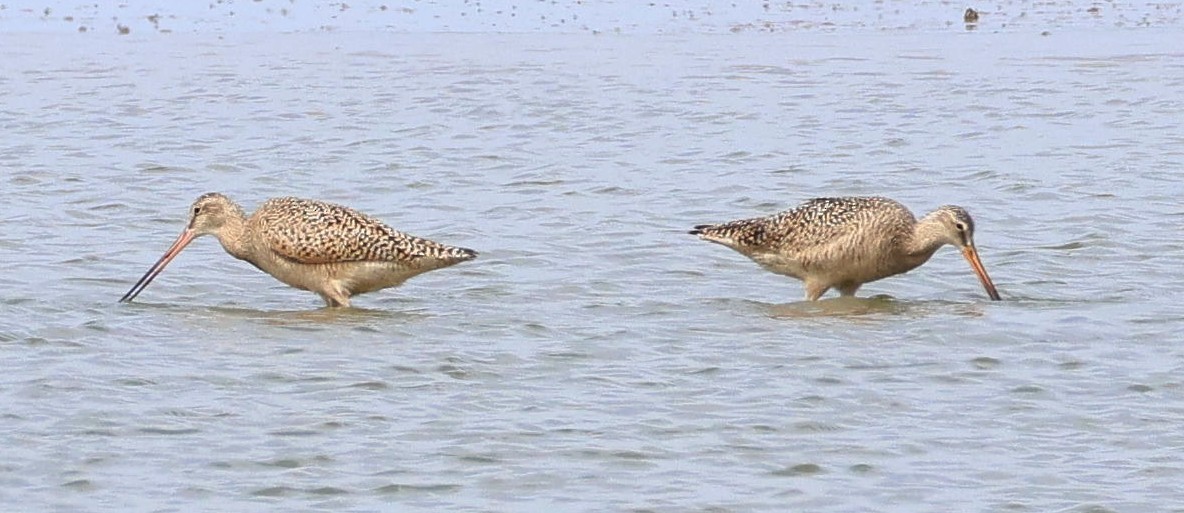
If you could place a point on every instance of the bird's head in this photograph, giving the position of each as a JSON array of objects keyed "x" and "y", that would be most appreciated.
[
  {"x": 957, "y": 229},
  {"x": 957, "y": 225},
  {"x": 210, "y": 212}
]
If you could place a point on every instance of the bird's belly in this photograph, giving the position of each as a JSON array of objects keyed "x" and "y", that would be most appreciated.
[
  {"x": 833, "y": 269},
  {"x": 781, "y": 264},
  {"x": 362, "y": 277},
  {"x": 354, "y": 277},
  {"x": 292, "y": 274}
]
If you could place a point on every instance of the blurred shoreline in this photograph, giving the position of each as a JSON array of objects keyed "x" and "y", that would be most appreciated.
[{"x": 572, "y": 16}]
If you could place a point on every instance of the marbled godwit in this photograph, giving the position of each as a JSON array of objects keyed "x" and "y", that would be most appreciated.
[
  {"x": 332, "y": 250},
  {"x": 846, "y": 242}
]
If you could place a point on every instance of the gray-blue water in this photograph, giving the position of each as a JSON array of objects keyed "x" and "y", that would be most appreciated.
[{"x": 595, "y": 357}]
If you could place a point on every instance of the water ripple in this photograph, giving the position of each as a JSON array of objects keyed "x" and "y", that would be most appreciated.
[{"x": 596, "y": 357}]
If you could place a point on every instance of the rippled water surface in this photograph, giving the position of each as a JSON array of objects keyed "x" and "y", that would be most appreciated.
[{"x": 595, "y": 357}]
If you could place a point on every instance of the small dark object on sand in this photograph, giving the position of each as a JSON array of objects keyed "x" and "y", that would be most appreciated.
[{"x": 971, "y": 16}]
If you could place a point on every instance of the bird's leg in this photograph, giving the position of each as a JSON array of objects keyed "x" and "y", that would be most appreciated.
[
  {"x": 848, "y": 289},
  {"x": 335, "y": 296},
  {"x": 815, "y": 290}
]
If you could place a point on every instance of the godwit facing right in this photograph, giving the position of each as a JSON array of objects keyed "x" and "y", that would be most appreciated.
[
  {"x": 846, "y": 242},
  {"x": 332, "y": 250}
]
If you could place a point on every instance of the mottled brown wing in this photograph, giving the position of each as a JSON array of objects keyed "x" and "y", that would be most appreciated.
[
  {"x": 822, "y": 222},
  {"x": 315, "y": 232}
]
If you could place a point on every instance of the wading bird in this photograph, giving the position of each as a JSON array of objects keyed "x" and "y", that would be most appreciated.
[
  {"x": 334, "y": 251},
  {"x": 843, "y": 243}
]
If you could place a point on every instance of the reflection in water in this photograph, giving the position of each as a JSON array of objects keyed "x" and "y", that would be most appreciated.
[
  {"x": 312, "y": 318},
  {"x": 321, "y": 316},
  {"x": 839, "y": 307},
  {"x": 880, "y": 305}
]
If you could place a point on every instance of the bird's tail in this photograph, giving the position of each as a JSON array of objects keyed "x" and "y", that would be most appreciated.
[
  {"x": 461, "y": 254},
  {"x": 434, "y": 255},
  {"x": 703, "y": 230},
  {"x": 736, "y": 234}
]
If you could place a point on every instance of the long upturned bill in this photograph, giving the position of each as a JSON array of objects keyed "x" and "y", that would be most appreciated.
[
  {"x": 971, "y": 255},
  {"x": 183, "y": 240}
]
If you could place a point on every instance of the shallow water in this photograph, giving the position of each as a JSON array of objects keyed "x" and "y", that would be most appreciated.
[{"x": 595, "y": 357}]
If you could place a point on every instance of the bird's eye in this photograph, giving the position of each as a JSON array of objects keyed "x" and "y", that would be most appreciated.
[
  {"x": 196, "y": 210},
  {"x": 960, "y": 226}
]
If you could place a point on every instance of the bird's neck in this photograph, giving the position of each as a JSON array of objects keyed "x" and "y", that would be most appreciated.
[
  {"x": 230, "y": 235},
  {"x": 927, "y": 237}
]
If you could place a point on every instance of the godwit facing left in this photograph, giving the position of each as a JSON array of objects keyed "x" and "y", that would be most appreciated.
[
  {"x": 329, "y": 249},
  {"x": 846, "y": 242}
]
